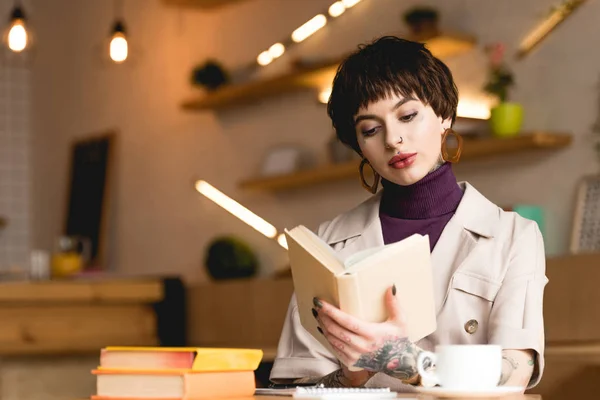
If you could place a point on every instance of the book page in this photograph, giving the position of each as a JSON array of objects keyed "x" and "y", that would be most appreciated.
[
  {"x": 359, "y": 256},
  {"x": 365, "y": 258},
  {"x": 318, "y": 248},
  {"x": 408, "y": 266}
]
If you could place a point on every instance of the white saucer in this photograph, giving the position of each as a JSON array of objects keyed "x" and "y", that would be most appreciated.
[{"x": 442, "y": 392}]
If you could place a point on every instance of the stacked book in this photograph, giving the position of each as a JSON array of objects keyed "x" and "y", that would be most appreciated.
[{"x": 175, "y": 373}]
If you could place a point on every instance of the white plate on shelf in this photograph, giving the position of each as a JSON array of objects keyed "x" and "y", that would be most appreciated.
[{"x": 442, "y": 392}]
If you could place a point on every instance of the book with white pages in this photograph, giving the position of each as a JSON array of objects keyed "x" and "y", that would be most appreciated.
[{"x": 357, "y": 284}]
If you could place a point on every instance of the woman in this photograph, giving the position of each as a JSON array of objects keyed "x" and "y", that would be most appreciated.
[{"x": 394, "y": 104}]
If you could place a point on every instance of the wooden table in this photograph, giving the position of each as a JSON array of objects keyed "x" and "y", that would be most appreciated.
[
  {"x": 427, "y": 397},
  {"x": 400, "y": 396}
]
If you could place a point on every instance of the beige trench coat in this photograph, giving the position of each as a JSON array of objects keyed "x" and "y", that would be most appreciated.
[{"x": 489, "y": 279}]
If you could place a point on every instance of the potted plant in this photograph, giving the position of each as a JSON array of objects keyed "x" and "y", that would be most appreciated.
[
  {"x": 211, "y": 75},
  {"x": 229, "y": 257},
  {"x": 506, "y": 116},
  {"x": 422, "y": 22}
]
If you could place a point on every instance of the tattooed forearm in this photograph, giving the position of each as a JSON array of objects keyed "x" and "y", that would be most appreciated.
[
  {"x": 509, "y": 365},
  {"x": 518, "y": 367},
  {"x": 396, "y": 358},
  {"x": 301, "y": 381},
  {"x": 336, "y": 379}
]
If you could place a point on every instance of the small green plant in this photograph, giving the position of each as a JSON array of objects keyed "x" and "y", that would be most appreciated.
[
  {"x": 230, "y": 258},
  {"x": 500, "y": 76},
  {"x": 211, "y": 75}
]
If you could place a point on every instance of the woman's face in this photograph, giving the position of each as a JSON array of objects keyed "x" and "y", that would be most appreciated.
[{"x": 401, "y": 137}]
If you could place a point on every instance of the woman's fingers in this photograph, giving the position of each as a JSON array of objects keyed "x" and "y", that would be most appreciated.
[
  {"x": 346, "y": 353},
  {"x": 346, "y": 321},
  {"x": 349, "y": 339},
  {"x": 396, "y": 314}
]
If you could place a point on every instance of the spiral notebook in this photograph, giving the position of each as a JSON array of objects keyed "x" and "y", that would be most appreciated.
[{"x": 323, "y": 393}]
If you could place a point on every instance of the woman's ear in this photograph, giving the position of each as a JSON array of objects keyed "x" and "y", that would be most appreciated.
[{"x": 446, "y": 124}]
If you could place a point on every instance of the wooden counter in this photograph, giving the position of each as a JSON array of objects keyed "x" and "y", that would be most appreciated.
[{"x": 79, "y": 316}]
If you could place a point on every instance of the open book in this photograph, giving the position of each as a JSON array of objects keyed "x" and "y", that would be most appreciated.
[{"x": 358, "y": 284}]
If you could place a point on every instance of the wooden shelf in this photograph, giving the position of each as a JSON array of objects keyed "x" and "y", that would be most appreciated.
[
  {"x": 316, "y": 77},
  {"x": 472, "y": 149},
  {"x": 134, "y": 290}
]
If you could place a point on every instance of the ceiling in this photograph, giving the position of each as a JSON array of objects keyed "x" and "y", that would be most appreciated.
[{"x": 202, "y": 4}]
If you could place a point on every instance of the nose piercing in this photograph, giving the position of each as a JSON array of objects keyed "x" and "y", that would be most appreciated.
[{"x": 400, "y": 140}]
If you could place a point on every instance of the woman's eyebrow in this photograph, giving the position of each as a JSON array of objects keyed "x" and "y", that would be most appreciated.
[
  {"x": 403, "y": 101},
  {"x": 396, "y": 106},
  {"x": 365, "y": 116}
]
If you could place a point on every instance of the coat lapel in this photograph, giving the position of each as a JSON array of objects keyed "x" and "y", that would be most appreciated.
[
  {"x": 450, "y": 252},
  {"x": 371, "y": 237},
  {"x": 367, "y": 229},
  {"x": 475, "y": 220}
]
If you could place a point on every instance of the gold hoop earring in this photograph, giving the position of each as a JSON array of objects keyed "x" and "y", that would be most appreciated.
[
  {"x": 459, "y": 144},
  {"x": 370, "y": 188}
]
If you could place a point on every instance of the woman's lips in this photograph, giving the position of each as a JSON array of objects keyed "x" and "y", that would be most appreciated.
[{"x": 402, "y": 160}]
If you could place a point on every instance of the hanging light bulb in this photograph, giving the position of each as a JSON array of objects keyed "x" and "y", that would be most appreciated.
[
  {"x": 17, "y": 35},
  {"x": 119, "y": 48}
]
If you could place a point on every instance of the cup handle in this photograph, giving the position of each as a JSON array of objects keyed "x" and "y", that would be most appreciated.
[{"x": 429, "y": 377}]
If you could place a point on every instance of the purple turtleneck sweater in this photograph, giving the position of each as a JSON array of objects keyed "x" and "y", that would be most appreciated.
[{"x": 424, "y": 207}]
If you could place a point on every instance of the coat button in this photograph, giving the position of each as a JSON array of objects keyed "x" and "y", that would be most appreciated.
[{"x": 471, "y": 326}]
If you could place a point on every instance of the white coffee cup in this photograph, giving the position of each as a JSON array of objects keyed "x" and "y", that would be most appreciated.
[{"x": 463, "y": 367}]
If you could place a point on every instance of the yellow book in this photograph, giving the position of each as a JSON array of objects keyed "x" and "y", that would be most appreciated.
[
  {"x": 194, "y": 359},
  {"x": 357, "y": 285}
]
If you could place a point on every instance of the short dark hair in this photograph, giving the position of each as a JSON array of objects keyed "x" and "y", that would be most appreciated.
[{"x": 388, "y": 66}]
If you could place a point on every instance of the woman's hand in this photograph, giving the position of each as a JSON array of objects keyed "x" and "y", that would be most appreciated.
[{"x": 374, "y": 347}]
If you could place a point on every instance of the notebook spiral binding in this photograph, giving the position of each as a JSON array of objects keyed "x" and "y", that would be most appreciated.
[{"x": 323, "y": 393}]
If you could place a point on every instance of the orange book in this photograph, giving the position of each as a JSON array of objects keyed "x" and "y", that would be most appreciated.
[
  {"x": 156, "y": 398},
  {"x": 173, "y": 385},
  {"x": 179, "y": 358}
]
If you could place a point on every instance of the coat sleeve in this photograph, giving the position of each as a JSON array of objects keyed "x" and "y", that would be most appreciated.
[
  {"x": 299, "y": 355},
  {"x": 516, "y": 319}
]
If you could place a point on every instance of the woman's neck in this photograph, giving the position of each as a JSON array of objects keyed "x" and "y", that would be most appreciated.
[{"x": 436, "y": 194}]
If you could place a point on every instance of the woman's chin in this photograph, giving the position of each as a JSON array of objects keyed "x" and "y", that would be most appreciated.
[{"x": 407, "y": 176}]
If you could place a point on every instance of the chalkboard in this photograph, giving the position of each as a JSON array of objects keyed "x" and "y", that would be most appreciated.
[{"x": 88, "y": 192}]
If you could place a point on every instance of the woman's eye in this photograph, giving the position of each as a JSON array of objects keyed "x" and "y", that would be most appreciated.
[
  {"x": 408, "y": 118},
  {"x": 370, "y": 132}
]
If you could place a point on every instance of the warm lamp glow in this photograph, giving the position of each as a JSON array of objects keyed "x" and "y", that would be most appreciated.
[
  {"x": 309, "y": 28},
  {"x": 17, "y": 36},
  {"x": 119, "y": 48},
  {"x": 236, "y": 209},
  {"x": 276, "y": 50},
  {"x": 282, "y": 241},
  {"x": 264, "y": 58},
  {"x": 350, "y": 3},
  {"x": 337, "y": 9},
  {"x": 541, "y": 30},
  {"x": 473, "y": 109},
  {"x": 324, "y": 95},
  {"x": 267, "y": 56}
]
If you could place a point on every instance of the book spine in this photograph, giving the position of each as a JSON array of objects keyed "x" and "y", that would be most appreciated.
[{"x": 349, "y": 296}]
